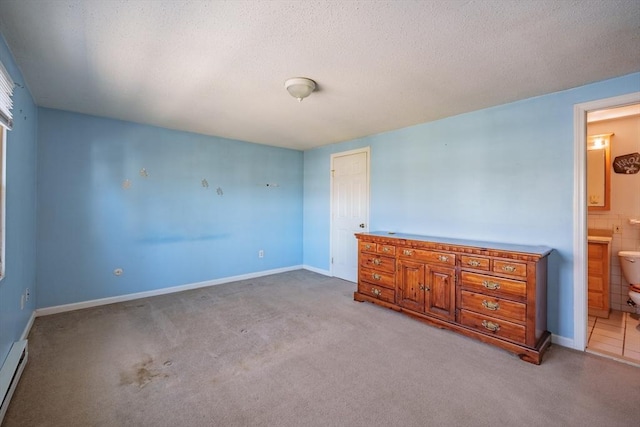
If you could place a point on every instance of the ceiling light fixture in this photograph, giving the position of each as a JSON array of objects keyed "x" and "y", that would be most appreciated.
[{"x": 300, "y": 87}]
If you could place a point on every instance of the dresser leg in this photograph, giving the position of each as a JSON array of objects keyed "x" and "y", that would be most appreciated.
[{"x": 535, "y": 356}]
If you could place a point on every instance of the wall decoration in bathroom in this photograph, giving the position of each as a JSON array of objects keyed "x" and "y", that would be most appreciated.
[
  {"x": 126, "y": 184},
  {"x": 144, "y": 173},
  {"x": 627, "y": 164},
  {"x": 205, "y": 183},
  {"x": 219, "y": 191}
]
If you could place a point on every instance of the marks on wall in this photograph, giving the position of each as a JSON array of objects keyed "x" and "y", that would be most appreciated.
[
  {"x": 165, "y": 204},
  {"x": 159, "y": 200},
  {"x": 177, "y": 203},
  {"x": 126, "y": 184},
  {"x": 205, "y": 184},
  {"x": 21, "y": 113}
]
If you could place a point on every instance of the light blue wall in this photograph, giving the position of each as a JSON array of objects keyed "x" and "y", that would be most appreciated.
[
  {"x": 20, "y": 270},
  {"x": 502, "y": 174},
  {"x": 166, "y": 229}
]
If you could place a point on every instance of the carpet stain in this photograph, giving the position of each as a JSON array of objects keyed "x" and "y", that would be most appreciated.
[{"x": 143, "y": 373}]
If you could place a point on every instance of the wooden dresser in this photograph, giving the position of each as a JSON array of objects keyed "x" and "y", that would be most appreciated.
[{"x": 489, "y": 291}]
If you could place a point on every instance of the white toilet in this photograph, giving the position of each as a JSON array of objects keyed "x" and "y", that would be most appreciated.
[{"x": 630, "y": 264}]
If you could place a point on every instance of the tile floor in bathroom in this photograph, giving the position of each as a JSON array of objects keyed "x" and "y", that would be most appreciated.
[{"x": 617, "y": 336}]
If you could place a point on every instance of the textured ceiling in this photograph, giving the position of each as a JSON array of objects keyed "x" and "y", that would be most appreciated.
[{"x": 218, "y": 68}]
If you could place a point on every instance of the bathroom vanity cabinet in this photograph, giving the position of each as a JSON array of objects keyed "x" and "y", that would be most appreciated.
[
  {"x": 598, "y": 256},
  {"x": 489, "y": 291}
]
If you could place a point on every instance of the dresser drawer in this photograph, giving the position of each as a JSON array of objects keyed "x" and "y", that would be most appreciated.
[
  {"x": 385, "y": 249},
  {"x": 493, "y": 326},
  {"x": 377, "y": 277},
  {"x": 493, "y": 306},
  {"x": 379, "y": 292},
  {"x": 512, "y": 268},
  {"x": 496, "y": 286},
  {"x": 378, "y": 262},
  {"x": 433, "y": 257},
  {"x": 377, "y": 248},
  {"x": 367, "y": 247},
  {"x": 478, "y": 263}
]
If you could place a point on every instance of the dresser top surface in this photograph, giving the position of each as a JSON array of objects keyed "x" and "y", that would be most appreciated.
[{"x": 529, "y": 249}]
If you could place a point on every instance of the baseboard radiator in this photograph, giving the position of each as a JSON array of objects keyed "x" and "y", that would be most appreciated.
[{"x": 10, "y": 373}]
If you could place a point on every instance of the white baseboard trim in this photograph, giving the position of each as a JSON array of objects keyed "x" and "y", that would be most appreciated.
[
  {"x": 317, "y": 270},
  {"x": 10, "y": 373},
  {"x": 128, "y": 297},
  {"x": 27, "y": 328},
  {"x": 564, "y": 342}
]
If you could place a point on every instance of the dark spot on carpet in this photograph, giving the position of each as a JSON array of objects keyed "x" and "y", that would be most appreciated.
[{"x": 142, "y": 373}]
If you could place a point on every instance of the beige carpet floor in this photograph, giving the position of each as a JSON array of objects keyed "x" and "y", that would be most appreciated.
[{"x": 294, "y": 349}]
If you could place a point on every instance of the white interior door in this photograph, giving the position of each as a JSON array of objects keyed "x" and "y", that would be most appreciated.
[{"x": 349, "y": 210}]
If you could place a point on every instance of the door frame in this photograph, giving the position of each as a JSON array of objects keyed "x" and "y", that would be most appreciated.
[
  {"x": 580, "y": 111},
  {"x": 366, "y": 150}
]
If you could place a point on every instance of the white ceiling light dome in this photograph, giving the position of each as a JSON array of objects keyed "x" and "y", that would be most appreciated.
[{"x": 300, "y": 87}]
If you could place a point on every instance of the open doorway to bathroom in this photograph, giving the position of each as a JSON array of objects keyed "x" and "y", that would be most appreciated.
[{"x": 613, "y": 203}]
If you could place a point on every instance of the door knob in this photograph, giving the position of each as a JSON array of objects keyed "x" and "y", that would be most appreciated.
[{"x": 362, "y": 225}]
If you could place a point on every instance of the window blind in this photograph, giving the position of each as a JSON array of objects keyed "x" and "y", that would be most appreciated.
[{"x": 6, "y": 103}]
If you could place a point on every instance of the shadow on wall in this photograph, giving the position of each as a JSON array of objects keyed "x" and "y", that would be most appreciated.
[{"x": 553, "y": 290}]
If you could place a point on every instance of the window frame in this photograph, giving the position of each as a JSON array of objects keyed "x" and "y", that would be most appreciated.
[{"x": 3, "y": 196}]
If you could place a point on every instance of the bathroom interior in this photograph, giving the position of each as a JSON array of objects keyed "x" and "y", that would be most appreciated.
[{"x": 613, "y": 247}]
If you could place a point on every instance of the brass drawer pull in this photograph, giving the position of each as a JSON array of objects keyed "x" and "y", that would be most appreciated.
[
  {"x": 407, "y": 252},
  {"x": 473, "y": 263},
  {"x": 376, "y": 261},
  {"x": 509, "y": 268},
  {"x": 493, "y": 327},
  {"x": 443, "y": 258},
  {"x": 493, "y": 306},
  {"x": 367, "y": 246},
  {"x": 376, "y": 276},
  {"x": 376, "y": 292},
  {"x": 385, "y": 249},
  {"x": 491, "y": 285}
]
